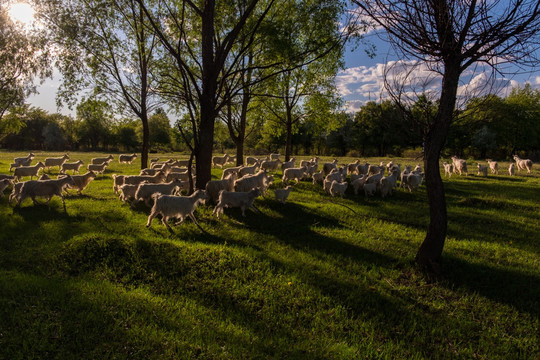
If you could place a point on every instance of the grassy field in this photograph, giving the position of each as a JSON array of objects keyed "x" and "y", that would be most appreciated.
[{"x": 315, "y": 278}]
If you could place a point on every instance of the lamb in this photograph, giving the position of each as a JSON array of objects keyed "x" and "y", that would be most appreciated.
[
  {"x": 220, "y": 160},
  {"x": 170, "y": 206},
  {"x": 213, "y": 187},
  {"x": 414, "y": 181},
  {"x": 294, "y": 173},
  {"x": 282, "y": 194},
  {"x": 288, "y": 164},
  {"x": 494, "y": 166},
  {"x": 80, "y": 182},
  {"x": 523, "y": 164},
  {"x": 460, "y": 165},
  {"x": 448, "y": 169},
  {"x": 337, "y": 188},
  {"x": 126, "y": 158},
  {"x": 98, "y": 168},
  {"x": 4, "y": 183},
  {"x": 261, "y": 181},
  {"x": 28, "y": 171},
  {"x": 327, "y": 167},
  {"x": 44, "y": 188},
  {"x": 56, "y": 161},
  {"x": 243, "y": 200},
  {"x": 512, "y": 170},
  {"x": 137, "y": 179},
  {"x": 101, "y": 160},
  {"x": 71, "y": 166},
  {"x": 369, "y": 189},
  {"x": 145, "y": 191},
  {"x": 482, "y": 169}
]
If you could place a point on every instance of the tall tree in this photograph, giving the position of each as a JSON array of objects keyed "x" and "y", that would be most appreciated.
[{"x": 451, "y": 37}]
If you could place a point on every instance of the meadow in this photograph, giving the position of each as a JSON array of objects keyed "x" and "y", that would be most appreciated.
[{"x": 314, "y": 278}]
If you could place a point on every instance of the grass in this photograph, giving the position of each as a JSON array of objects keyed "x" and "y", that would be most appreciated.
[{"x": 317, "y": 277}]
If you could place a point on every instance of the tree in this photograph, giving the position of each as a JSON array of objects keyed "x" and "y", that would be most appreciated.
[
  {"x": 95, "y": 122},
  {"x": 450, "y": 37},
  {"x": 160, "y": 129}
]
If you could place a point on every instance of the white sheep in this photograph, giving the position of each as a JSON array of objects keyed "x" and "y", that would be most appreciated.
[
  {"x": 375, "y": 178},
  {"x": 127, "y": 192},
  {"x": 166, "y": 168},
  {"x": 220, "y": 160},
  {"x": 327, "y": 183},
  {"x": 294, "y": 173},
  {"x": 281, "y": 195},
  {"x": 274, "y": 156},
  {"x": 494, "y": 166},
  {"x": 56, "y": 161},
  {"x": 243, "y": 200},
  {"x": 358, "y": 183},
  {"x": 98, "y": 168},
  {"x": 512, "y": 170},
  {"x": 28, "y": 171},
  {"x": 352, "y": 167},
  {"x": 369, "y": 189},
  {"x": 247, "y": 170},
  {"x": 523, "y": 164},
  {"x": 213, "y": 187},
  {"x": 482, "y": 169},
  {"x": 448, "y": 169},
  {"x": 270, "y": 165},
  {"x": 287, "y": 164},
  {"x": 327, "y": 167},
  {"x": 118, "y": 180},
  {"x": 126, "y": 158},
  {"x": 334, "y": 175},
  {"x": 71, "y": 166},
  {"x": 318, "y": 177},
  {"x": 145, "y": 191},
  {"x": 23, "y": 162},
  {"x": 80, "y": 182},
  {"x": 170, "y": 206},
  {"x": 4, "y": 183},
  {"x": 227, "y": 172},
  {"x": 337, "y": 188},
  {"x": 44, "y": 188},
  {"x": 362, "y": 169},
  {"x": 181, "y": 163},
  {"x": 414, "y": 181},
  {"x": 101, "y": 160},
  {"x": 388, "y": 183},
  {"x": 250, "y": 160},
  {"x": 260, "y": 180},
  {"x": 137, "y": 179},
  {"x": 460, "y": 165}
]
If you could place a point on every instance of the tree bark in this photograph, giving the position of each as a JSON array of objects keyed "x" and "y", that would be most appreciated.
[{"x": 145, "y": 141}]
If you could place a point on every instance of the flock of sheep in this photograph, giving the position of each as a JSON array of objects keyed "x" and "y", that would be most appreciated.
[{"x": 160, "y": 186}]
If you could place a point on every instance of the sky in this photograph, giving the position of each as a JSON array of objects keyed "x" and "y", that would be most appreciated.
[{"x": 359, "y": 82}]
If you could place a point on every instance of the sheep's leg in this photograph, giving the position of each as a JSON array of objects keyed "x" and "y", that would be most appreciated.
[
  {"x": 150, "y": 218},
  {"x": 192, "y": 217},
  {"x": 165, "y": 222}
]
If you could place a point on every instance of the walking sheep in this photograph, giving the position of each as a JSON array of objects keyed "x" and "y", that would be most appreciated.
[
  {"x": 243, "y": 200},
  {"x": 28, "y": 171},
  {"x": 126, "y": 158},
  {"x": 45, "y": 188},
  {"x": 169, "y": 206},
  {"x": 281, "y": 195},
  {"x": 71, "y": 166},
  {"x": 56, "y": 161},
  {"x": 523, "y": 164}
]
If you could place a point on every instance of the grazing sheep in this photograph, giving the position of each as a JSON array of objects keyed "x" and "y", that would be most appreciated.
[
  {"x": 126, "y": 158},
  {"x": 287, "y": 164},
  {"x": 213, "y": 187},
  {"x": 460, "y": 165},
  {"x": 220, "y": 160},
  {"x": 56, "y": 161},
  {"x": 137, "y": 179},
  {"x": 71, "y": 166},
  {"x": 318, "y": 177},
  {"x": 28, "y": 171},
  {"x": 369, "y": 189},
  {"x": 414, "y": 181},
  {"x": 482, "y": 169},
  {"x": 259, "y": 181},
  {"x": 512, "y": 170},
  {"x": 247, "y": 170},
  {"x": 327, "y": 167},
  {"x": 337, "y": 188},
  {"x": 44, "y": 188},
  {"x": 282, "y": 194},
  {"x": 128, "y": 191},
  {"x": 494, "y": 166},
  {"x": 4, "y": 183},
  {"x": 243, "y": 200},
  {"x": 98, "y": 168},
  {"x": 145, "y": 191},
  {"x": 523, "y": 164},
  {"x": 293, "y": 173},
  {"x": 101, "y": 160},
  {"x": 358, "y": 183},
  {"x": 80, "y": 182},
  {"x": 448, "y": 169},
  {"x": 170, "y": 206}
]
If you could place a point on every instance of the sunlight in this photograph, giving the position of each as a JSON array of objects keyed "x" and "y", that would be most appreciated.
[{"x": 23, "y": 13}]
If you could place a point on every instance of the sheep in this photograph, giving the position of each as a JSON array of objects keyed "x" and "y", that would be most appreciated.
[
  {"x": 247, "y": 170},
  {"x": 274, "y": 156},
  {"x": 23, "y": 162},
  {"x": 184, "y": 177},
  {"x": 312, "y": 162},
  {"x": 227, "y": 172},
  {"x": 460, "y": 165},
  {"x": 388, "y": 183},
  {"x": 71, "y": 166},
  {"x": 358, "y": 183},
  {"x": 362, "y": 169},
  {"x": 128, "y": 191},
  {"x": 28, "y": 171},
  {"x": 137, "y": 179},
  {"x": 281, "y": 195},
  {"x": 376, "y": 178},
  {"x": 16, "y": 191},
  {"x": 369, "y": 189},
  {"x": 482, "y": 169},
  {"x": 181, "y": 163},
  {"x": 243, "y": 200},
  {"x": 334, "y": 175},
  {"x": 145, "y": 191},
  {"x": 126, "y": 158},
  {"x": 270, "y": 165},
  {"x": 417, "y": 169},
  {"x": 523, "y": 164},
  {"x": 159, "y": 165},
  {"x": 250, "y": 160},
  {"x": 170, "y": 206},
  {"x": 374, "y": 169},
  {"x": 98, "y": 168},
  {"x": 403, "y": 177},
  {"x": 494, "y": 166},
  {"x": 512, "y": 170},
  {"x": 44, "y": 188},
  {"x": 101, "y": 160},
  {"x": 327, "y": 167},
  {"x": 118, "y": 180},
  {"x": 166, "y": 168},
  {"x": 448, "y": 169},
  {"x": 80, "y": 182},
  {"x": 352, "y": 166},
  {"x": 327, "y": 183},
  {"x": 294, "y": 173},
  {"x": 414, "y": 181},
  {"x": 220, "y": 161},
  {"x": 260, "y": 180},
  {"x": 288, "y": 164},
  {"x": 57, "y": 161},
  {"x": 317, "y": 177},
  {"x": 213, "y": 187},
  {"x": 337, "y": 188},
  {"x": 4, "y": 183}
]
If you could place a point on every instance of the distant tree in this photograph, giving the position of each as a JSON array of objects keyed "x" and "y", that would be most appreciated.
[
  {"x": 160, "y": 129},
  {"x": 53, "y": 137},
  {"x": 125, "y": 132},
  {"x": 95, "y": 122}
]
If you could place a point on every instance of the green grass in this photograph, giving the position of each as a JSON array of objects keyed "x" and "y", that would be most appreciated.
[{"x": 315, "y": 278}]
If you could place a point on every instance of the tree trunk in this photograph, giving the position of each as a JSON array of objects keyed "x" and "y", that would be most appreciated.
[{"x": 145, "y": 141}]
